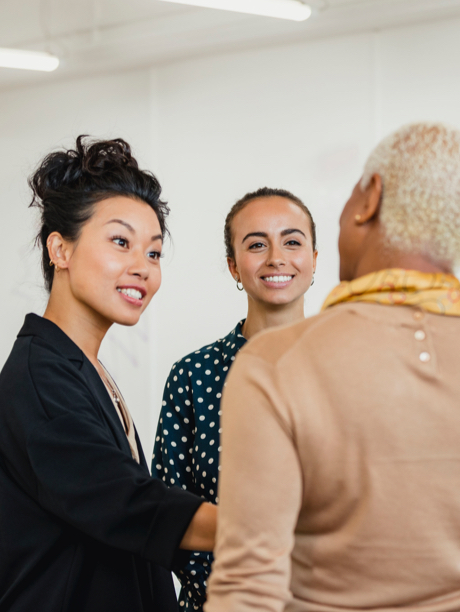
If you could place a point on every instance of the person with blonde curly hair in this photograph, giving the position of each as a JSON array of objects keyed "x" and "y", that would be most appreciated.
[{"x": 340, "y": 480}]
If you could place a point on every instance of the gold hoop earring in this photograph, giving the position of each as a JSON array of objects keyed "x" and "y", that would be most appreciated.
[{"x": 237, "y": 285}]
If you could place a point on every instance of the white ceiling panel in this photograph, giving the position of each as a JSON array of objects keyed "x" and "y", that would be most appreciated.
[{"x": 93, "y": 36}]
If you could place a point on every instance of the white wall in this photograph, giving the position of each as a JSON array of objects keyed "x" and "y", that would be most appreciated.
[{"x": 303, "y": 117}]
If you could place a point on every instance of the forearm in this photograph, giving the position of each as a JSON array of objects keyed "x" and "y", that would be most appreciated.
[{"x": 201, "y": 532}]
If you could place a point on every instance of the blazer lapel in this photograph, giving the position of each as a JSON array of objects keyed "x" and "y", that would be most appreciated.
[{"x": 100, "y": 392}]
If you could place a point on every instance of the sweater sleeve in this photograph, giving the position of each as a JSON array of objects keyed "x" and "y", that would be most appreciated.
[
  {"x": 82, "y": 477},
  {"x": 260, "y": 492}
]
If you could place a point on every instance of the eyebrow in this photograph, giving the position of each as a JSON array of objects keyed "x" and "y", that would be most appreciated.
[
  {"x": 285, "y": 232},
  {"x": 131, "y": 229}
]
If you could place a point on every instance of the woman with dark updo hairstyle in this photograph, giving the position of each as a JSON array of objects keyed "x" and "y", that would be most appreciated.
[{"x": 83, "y": 525}]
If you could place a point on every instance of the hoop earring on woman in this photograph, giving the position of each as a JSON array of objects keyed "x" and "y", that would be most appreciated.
[
  {"x": 312, "y": 280},
  {"x": 237, "y": 285}
]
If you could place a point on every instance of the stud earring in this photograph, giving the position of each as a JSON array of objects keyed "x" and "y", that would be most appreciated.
[{"x": 357, "y": 217}]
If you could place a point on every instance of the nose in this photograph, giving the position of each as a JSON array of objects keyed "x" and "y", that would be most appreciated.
[
  {"x": 276, "y": 257},
  {"x": 138, "y": 265}
]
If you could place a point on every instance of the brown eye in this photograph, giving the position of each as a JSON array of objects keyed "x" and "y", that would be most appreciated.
[{"x": 120, "y": 241}]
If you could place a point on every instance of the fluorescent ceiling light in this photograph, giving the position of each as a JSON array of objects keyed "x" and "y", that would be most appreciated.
[
  {"x": 283, "y": 9},
  {"x": 28, "y": 60}
]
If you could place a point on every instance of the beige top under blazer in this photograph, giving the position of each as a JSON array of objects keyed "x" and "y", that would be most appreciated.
[{"x": 340, "y": 481}]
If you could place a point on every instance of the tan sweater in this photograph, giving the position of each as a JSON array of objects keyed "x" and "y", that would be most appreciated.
[{"x": 340, "y": 481}]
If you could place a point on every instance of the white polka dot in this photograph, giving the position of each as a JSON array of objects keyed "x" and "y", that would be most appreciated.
[
  {"x": 204, "y": 474},
  {"x": 211, "y": 460},
  {"x": 190, "y": 374},
  {"x": 197, "y": 365},
  {"x": 173, "y": 444},
  {"x": 198, "y": 382},
  {"x": 188, "y": 469},
  {"x": 217, "y": 377},
  {"x": 188, "y": 360},
  {"x": 181, "y": 371},
  {"x": 211, "y": 443},
  {"x": 171, "y": 462},
  {"x": 202, "y": 418},
  {"x": 163, "y": 403},
  {"x": 211, "y": 491},
  {"x": 211, "y": 406},
  {"x": 165, "y": 431},
  {"x": 208, "y": 372},
  {"x": 158, "y": 466},
  {"x": 175, "y": 378},
  {"x": 220, "y": 447},
  {"x": 216, "y": 361},
  {"x": 186, "y": 420},
  {"x": 219, "y": 395},
  {"x": 168, "y": 385},
  {"x": 180, "y": 390},
  {"x": 157, "y": 439},
  {"x": 177, "y": 408},
  {"x": 172, "y": 480},
  {"x": 187, "y": 402},
  {"x": 184, "y": 439},
  {"x": 206, "y": 356},
  {"x": 181, "y": 456},
  {"x": 166, "y": 470},
  {"x": 176, "y": 426},
  {"x": 209, "y": 389},
  {"x": 203, "y": 454},
  {"x": 170, "y": 396},
  {"x": 169, "y": 414},
  {"x": 225, "y": 369},
  {"x": 200, "y": 399},
  {"x": 203, "y": 436},
  {"x": 211, "y": 424}
]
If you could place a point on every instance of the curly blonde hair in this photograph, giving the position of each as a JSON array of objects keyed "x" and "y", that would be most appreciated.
[{"x": 420, "y": 169}]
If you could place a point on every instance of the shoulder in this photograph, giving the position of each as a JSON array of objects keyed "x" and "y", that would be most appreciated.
[
  {"x": 210, "y": 355},
  {"x": 326, "y": 329}
]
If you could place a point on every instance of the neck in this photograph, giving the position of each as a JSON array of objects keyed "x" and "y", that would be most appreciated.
[
  {"x": 263, "y": 316},
  {"x": 377, "y": 256},
  {"x": 77, "y": 322}
]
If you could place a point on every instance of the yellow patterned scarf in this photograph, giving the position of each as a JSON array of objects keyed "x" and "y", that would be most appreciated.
[{"x": 438, "y": 293}]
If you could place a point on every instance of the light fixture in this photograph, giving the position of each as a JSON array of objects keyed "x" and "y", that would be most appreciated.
[
  {"x": 28, "y": 60},
  {"x": 283, "y": 9}
]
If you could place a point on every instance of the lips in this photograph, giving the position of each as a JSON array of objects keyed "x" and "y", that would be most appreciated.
[
  {"x": 133, "y": 295},
  {"x": 278, "y": 278}
]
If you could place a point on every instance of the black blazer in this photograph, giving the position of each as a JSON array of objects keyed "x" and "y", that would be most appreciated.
[{"x": 83, "y": 527}]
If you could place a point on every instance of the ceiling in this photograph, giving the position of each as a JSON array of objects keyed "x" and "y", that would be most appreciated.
[{"x": 92, "y": 36}]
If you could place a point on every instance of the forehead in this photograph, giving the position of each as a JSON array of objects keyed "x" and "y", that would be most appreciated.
[
  {"x": 274, "y": 213},
  {"x": 135, "y": 212}
]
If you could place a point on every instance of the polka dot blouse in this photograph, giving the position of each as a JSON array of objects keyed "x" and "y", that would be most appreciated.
[{"x": 187, "y": 448}]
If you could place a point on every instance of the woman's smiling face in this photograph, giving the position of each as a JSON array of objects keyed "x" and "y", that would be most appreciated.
[
  {"x": 114, "y": 267},
  {"x": 274, "y": 257}
]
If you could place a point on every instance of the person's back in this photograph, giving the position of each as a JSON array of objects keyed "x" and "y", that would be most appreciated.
[
  {"x": 376, "y": 430},
  {"x": 350, "y": 498}
]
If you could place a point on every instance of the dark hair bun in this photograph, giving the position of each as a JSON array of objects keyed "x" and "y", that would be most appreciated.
[{"x": 68, "y": 184}]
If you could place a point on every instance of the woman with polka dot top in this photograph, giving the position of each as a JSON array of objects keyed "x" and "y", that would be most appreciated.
[{"x": 270, "y": 242}]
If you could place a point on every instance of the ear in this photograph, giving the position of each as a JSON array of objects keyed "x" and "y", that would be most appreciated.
[
  {"x": 59, "y": 250},
  {"x": 231, "y": 263},
  {"x": 315, "y": 257},
  {"x": 372, "y": 198}
]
